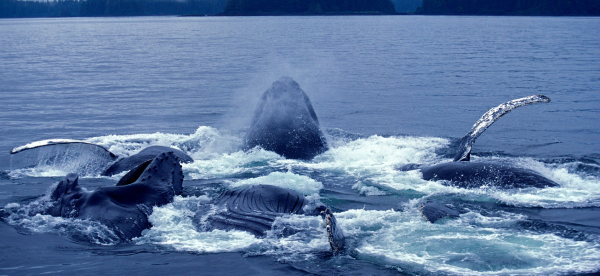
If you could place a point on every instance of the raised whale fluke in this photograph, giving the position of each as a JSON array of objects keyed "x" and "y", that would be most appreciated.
[
  {"x": 84, "y": 157},
  {"x": 491, "y": 116},
  {"x": 286, "y": 123}
]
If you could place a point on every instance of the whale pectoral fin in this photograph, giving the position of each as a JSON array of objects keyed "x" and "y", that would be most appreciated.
[
  {"x": 334, "y": 233},
  {"x": 491, "y": 116},
  {"x": 432, "y": 211},
  {"x": 69, "y": 155}
]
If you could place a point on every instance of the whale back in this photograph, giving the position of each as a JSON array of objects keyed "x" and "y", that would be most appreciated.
[{"x": 475, "y": 175}]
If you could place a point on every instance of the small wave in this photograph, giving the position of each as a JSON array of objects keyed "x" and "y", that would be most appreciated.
[{"x": 238, "y": 164}]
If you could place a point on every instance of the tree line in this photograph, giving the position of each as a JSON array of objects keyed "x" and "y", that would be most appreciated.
[
  {"x": 407, "y": 6},
  {"x": 257, "y": 7},
  {"x": 511, "y": 7},
  {"x": 56, "y": 8}
]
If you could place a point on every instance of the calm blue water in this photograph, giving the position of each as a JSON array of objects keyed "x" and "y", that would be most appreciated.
[{"x": 388, "y": 90}]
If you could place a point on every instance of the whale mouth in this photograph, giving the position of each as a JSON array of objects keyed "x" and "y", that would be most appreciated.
[{"x": 134, "y": 174}]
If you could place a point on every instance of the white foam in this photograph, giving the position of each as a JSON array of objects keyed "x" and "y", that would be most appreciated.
[
  {"x": 372, "y": 154},
  {"x": 173, "y": 227},
  {"x": 29, "y": 217},
  {"x": 574, "y": 190},
  {"x": 367, "y": 190},
  {"x": 203, "y": 143},
  {"x": 300, "y": 183},
  {"x": 472, "y": 244},
  {"x": 40, "y": 171},
  {"x": 228, "y": 165}
]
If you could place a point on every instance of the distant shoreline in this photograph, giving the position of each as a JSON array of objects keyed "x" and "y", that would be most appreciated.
[
  {"x": 307, "y": 14},
  {"x": 378, "y": 14}
]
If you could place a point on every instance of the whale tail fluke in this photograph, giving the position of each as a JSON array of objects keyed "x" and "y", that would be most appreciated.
[
  {"x": 64, "y": 154},
  {"x": 84, "y": 158},
  {"x": 491, "y": 116}
]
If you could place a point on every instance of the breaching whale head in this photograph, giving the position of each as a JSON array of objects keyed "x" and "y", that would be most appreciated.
[{"x": 286, "y": 123}]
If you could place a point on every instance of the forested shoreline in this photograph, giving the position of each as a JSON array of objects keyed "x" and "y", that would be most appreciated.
[
  {"x": 64, "y": 8},
  {"x": 308, "y": 7},
  {"x": 511, "y": 7}
]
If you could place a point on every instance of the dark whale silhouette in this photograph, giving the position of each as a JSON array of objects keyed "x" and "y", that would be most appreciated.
[
  {"x": 466, "y": 174},
  {"x": 126, "y": 206},
  {"x": 123, "y": 208},
  {"x": 93, "y": 157},
  {"x": 432, "y": 211},
  {"x": 128, "y": 163},
  {"x": 286, "y": 123},
  {"x": 255, "y": 208}
]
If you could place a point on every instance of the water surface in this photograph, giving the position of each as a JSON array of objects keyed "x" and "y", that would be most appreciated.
[{"x": 388, "y": 90}]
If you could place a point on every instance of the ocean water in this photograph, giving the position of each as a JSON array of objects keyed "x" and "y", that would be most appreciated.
[{"x": 388, "y": 91}]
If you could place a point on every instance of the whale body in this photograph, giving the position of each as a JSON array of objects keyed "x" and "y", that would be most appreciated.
[
  {"x": 478, "y": 174},
  {"x": 465, "y": 174},
  {"x": 124, "y": 208},
  {"x": 254, "y": 209},
  {"x": 285, "y": 122}
]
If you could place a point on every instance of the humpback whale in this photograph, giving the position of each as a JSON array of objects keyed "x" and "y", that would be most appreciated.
[
  {"x": 463, "y": 173},
  {"x": 86, "y": 157},
  {"x": 254, "y": 209},
  {"x": 124, "y": 208},
  {"x": 286, "y": 123}
]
